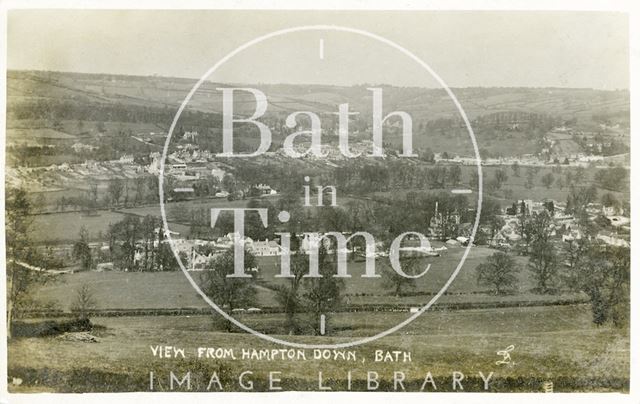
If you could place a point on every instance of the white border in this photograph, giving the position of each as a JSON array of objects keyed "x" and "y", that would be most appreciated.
[
  {"x": 339, "y": 5},
  {"x": 628, "y": 6}
]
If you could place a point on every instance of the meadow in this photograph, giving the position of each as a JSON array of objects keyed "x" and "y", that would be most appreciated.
[
  {"x": 558, "y": 344},
  {"x": 441, "y": 269},
  {"x": 171, "y": 290},
  {"x": 65, "y": 227}
]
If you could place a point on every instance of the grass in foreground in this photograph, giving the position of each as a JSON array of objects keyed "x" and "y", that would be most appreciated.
[{"x": 551, "y": 343}]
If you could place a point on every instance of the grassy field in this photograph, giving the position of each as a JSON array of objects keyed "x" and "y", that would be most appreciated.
[
  {"x": 516, "y": 185},
  {"x": 58, "y": 227},
  {"x": 157, "y": 290},
  {"x": 65, "y": 227},
  {"x": 441, "y": 269},
  {"x": 174, "y": 209},
  {"x": 132, "y": 290},
  {"x": 558, "y": 344}
]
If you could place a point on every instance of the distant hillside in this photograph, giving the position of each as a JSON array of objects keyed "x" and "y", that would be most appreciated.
[
  {"x": 427, "y": 103},
  {"x": 506, "y": 120}
]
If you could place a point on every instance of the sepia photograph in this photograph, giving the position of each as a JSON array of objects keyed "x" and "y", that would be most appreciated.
[{"x": 317, "y": 200}]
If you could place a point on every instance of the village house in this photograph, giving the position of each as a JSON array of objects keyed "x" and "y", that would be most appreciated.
[
  {"x": 126, "y": 159},
  {"x": 264, "y": 189},
  {"x": 190, "y": 136},
  {"x": 266, "y": 248}
]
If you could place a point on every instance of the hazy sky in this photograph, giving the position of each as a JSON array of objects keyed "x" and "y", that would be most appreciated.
[{"x": 558, "y": 49}]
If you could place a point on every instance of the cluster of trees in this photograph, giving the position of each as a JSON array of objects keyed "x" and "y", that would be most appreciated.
[
  {"x": 25, "y": 155},
  {"x": 612, "y": 178},
  {"x": 601, "y": 272},
  {"x": 543, "y": 261},
  {"x": 134, "y": 244},
  {"x": 578, "y": 201},
  {"x": 384, "y": 217},
  {"x": 358, "y": 178},
  {"x": 499, "y": 272},
  {"x": 352, "y": 177},
  {"x": 54, "y": 109},
  {"x": 140, "y": 235},
  {"x": 119, "y": 192},
  {"x": 299, "y": 296},
  {"x": 20, "y": 279},
  {"x": 598, "y": 270},
  {"x": 500, "y": 177}
]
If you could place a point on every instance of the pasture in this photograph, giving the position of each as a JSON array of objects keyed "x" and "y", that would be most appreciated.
[
  {"x": 550, "y": 343},
  {"x": 515, "y": 185},
  {"x": 169, "y": 290},
  {"x": 131, "y": 290},
  {"x": 65, "y": 226},
  {"x": 439, "y": 272}
]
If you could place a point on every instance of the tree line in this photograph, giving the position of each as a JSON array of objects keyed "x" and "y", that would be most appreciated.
[{"x": 582, "y": 264}]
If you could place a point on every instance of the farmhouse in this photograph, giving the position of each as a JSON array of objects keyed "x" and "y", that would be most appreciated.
[{"x": 266, "y": 248}]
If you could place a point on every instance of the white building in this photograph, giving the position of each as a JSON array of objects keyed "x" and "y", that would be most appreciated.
[
  {"x": 126, "y": 159},
  {"x": 266, "y": 248},
  {"x": 190, "y": 136}
]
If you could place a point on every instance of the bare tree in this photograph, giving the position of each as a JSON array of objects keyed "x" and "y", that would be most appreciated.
[
  {"x": 82, "y": 251},
  {"x": 115, "y": 188},
  {"x": 84, "y": 301}
]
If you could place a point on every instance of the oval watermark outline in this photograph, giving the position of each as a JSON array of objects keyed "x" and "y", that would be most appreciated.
[{"x": 338, "y": 28}]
